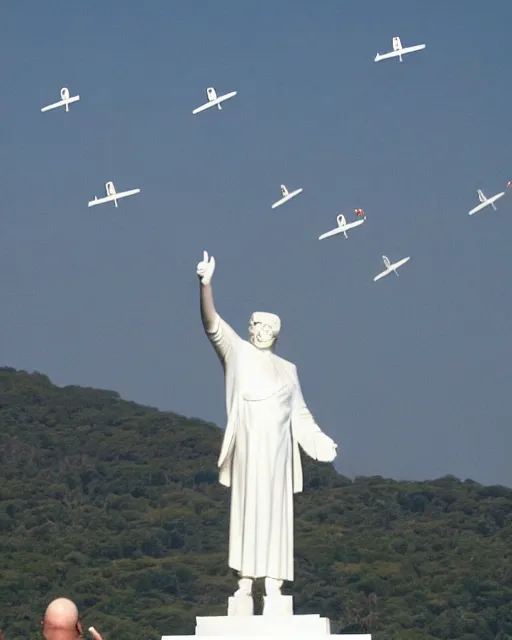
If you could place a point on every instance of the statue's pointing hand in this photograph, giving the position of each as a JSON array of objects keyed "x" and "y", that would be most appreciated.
[{"x": 206, "y": 268}]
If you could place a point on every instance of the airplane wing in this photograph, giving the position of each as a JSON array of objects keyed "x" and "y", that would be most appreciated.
[
  {"x": 401, "y": 262},
  {"x": 226, "y": 96},
  {"x": 116, "y": 196},
  {"x": 399, "y": 52},
  {"x": 479, "y": 207},
  {"x": 61, "y": 103},
  {"x": 486, "y": 203},
  {"x": 382, "y": 274},
  {"x": 341, "y": 229},
  {"x": 351, "y": 225},
  {"x": 417, "y": 47},
  {"x": 205, "y": 106},
  {"x": 333, "y": 232},
  {"x": 213, "y": 103},
  {"x": 280, "y": 202},
  {"x": 125, "y": 194},
  {"x": 384, "y": 56},
  {"x": 96, "y": 201},
  {"x": 287, "y": 197}
]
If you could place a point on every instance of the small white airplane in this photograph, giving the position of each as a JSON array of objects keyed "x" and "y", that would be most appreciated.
[
  {"x": 390, "y": 267},
  {"x": 214, "y": 100},
  {"x": 398, "y": 50},
  {"x": 112, "y": 195},
  {"x": 286, "y": 195},
  {"x": 66, "y": 100},
  {"x": 342, "y": 227},
  {"x": 485, "y": 202}
]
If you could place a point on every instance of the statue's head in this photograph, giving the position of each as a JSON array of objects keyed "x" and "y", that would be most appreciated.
[{"x": 264, "y": 329}]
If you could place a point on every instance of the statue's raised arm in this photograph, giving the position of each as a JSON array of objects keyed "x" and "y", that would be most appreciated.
[
  {"x": 220, "y": 334},
  {"x": 205, "y": 270}
]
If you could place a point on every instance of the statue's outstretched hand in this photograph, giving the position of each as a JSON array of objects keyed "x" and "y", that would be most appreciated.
[
  {"x": 206, "y": 268},
  {"x": 326, "y": 449}
]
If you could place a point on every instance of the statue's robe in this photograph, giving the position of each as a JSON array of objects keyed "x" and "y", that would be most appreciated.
[{"x": 260, "y": 458}]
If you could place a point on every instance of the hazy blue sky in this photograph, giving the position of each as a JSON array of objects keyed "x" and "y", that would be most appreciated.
[{"x": 410, "y": 375}]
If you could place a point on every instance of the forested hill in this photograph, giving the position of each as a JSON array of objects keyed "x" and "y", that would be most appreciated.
[{"x": 117, "y": 506}]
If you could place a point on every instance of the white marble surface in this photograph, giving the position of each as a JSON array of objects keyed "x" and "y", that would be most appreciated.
[
  {"x": 259, "y": 460},
  {"x": 267, "y": 626}
]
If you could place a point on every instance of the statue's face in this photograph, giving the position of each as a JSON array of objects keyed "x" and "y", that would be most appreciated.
[{"x": 264, "y": 329}]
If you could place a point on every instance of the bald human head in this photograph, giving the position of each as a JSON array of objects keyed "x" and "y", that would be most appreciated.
[{"x": 61, "y": 620}]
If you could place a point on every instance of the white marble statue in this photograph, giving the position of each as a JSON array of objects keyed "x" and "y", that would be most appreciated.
[{"x": 259, "y": 459}]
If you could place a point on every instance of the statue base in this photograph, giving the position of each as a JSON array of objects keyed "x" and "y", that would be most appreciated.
[
  {"x": 278, "y": 605},
  {"x": 271, "y": 625}
]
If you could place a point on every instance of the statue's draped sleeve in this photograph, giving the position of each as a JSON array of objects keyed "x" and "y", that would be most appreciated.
[
  {"x": 227, "y": 343},
  {"x": 305, "y": 430},
  {"x": 224, "y": 339}
]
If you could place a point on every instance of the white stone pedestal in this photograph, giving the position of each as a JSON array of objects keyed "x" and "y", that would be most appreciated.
[
  {"x": 265, "y": 627},
  {"x": 280, "y": 606}
]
